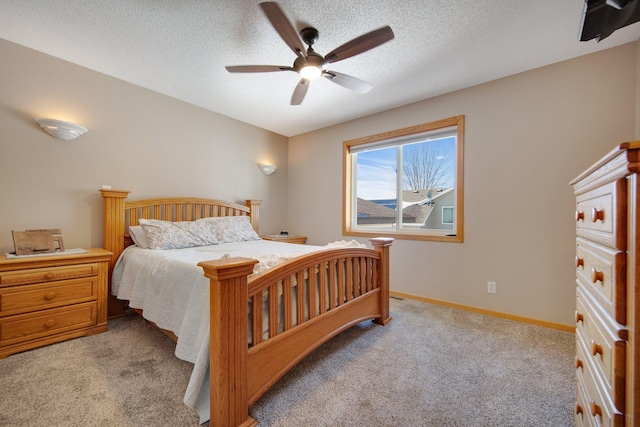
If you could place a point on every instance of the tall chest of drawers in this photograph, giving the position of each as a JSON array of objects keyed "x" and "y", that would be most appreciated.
[
  {"x": 607, "y": 290},
  {"x": 48, "y": 299}
]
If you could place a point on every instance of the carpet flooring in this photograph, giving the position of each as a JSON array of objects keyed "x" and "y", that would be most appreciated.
[{"x": 431, "y": 366}]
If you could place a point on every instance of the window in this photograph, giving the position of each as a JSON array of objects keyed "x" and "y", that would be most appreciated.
[
  {"x": 447, "y": 215},
  {"x": 406, "y": 183}
]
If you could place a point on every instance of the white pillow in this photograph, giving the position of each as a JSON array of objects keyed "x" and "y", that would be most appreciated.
[
  {"x": 233, "y": 228},
  {"x": 175, "y": 235},
  {"x": 137, "y": 235}
]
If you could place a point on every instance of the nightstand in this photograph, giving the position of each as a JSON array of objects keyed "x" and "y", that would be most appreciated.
[
  {"x": 48, "y": 299},
  {"x": 287, "y": 238}
]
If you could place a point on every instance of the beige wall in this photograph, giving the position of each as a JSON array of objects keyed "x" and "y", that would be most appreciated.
[
  {"x": 526, "y": 137},
  {"x": 138, "y": 140}
]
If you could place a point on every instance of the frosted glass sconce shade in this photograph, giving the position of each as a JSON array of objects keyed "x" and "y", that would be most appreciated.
[
  {"x": 61, "y": 130},
  {"x": 267, "y": 169}
]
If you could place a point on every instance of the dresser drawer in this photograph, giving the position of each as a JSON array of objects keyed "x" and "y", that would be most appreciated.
[
  {"x": 581, "y": 415},
  {"x": 599, "y": 409},
  {"x": 39, "y": 275},
  {"x": 600, "y": 215},
  {"x": 25, "y": 327},
  {"x": 604, "y": 346},
  {"x": 602, "y": 271},
  {"x": 23, "y": 299}
]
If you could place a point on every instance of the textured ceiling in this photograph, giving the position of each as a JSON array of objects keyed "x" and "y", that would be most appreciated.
[{"x": 180, "y": 47}]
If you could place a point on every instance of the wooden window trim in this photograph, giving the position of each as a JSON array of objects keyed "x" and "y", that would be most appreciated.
[{"x": 347, "y": 230}]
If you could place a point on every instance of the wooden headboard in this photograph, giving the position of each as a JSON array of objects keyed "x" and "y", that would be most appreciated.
[{"x": 119, "y": 214}]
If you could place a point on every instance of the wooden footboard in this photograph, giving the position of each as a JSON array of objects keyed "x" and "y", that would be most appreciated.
[{"x": 309, "y": 300}]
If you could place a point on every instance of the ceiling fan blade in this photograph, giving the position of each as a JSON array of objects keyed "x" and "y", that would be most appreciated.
[
  {"x": 282, "y": 25},
  {"x": 360, "y": 44},
  {"x": 347, "y": 81},
  {"x": 299, "y": 92},
  {"x": 256, "y": 68}
]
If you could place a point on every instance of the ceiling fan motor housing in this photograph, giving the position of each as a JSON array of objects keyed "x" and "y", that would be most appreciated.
[
  {"x": 309, "y": 35},
  {"x": 312, "y": 59}
]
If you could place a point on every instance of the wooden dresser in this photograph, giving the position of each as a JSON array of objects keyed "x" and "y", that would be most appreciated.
[
  {"x": 286, "y": 238},
  {"x": 607, "y": 258},
  {"x": 48, "y": 299}
]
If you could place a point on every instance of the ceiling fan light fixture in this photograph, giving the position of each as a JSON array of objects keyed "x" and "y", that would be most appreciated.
[{"x": 310, "y": 72}]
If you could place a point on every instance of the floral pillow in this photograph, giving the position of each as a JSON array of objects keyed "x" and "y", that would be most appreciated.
[
  {"x": 233, "y": 228},
  {"x": 176, "y": 235}
]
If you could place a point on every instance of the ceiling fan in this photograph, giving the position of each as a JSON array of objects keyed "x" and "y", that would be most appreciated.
[{"x": 310, "y": 64}]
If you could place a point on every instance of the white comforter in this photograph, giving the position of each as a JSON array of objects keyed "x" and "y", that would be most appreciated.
[{"x": 173, "y": 293}]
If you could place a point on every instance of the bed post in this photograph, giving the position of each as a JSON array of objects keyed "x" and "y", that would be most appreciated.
[
  {"x": 382, "y": 244},
  {"x": 254, "y": 212},
  {"x": 228, "y": 346},
  {"x": 113, "y": 239}
]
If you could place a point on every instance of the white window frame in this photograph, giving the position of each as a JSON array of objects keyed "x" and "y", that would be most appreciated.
[
  {"x": 447, "y": 207},
  {"x": 396, "y": 138}
]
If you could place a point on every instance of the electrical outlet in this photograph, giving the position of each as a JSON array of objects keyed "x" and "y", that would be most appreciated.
[{"x": 491, "y": 287}]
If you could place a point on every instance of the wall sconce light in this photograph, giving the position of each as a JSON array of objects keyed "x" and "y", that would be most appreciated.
[
  {"x": 61, "y": 130},
  {"x": 267, "y": 169}
]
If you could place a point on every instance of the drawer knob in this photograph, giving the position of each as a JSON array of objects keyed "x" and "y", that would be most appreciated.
[
  {"x": 49, "y": 296},
  {"x": 579, "y": 216},
  {"x": 597, "y": 215},
  {"x": 595, "y": 409},
  {"x": 596, "y": 348},
  {"x": 579, "y": 364},
  {"x": 596, "y": 276},
  {"x": 579, "y": 262},
  {"x": 49, "y": 323},
  {"x": 50, "y": 275},
  {"x": 579, "y": 409},
  {"x": 579, "y": 317}
]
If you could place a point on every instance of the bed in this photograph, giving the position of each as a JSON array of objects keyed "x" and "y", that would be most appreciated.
[{"x": 342, "y": 285}]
